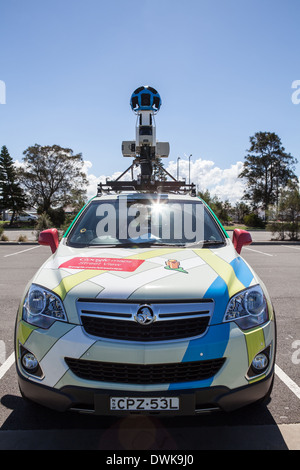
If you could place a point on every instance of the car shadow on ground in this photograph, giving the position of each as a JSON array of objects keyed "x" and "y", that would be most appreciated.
[{"x": 31, "y": 426}]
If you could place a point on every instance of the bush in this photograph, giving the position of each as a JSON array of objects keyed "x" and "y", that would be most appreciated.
[
  {"x": 22, "y": 238},
  {"x": 253, "y": 220},
  {"x": 293, "y": 229},
  {"x": 283, "y": 229},
  {"x": 68, "y": 220},
  {"x": 57, "y": 216},
  {"x": 277, "y": 227},
  {"x": 43, "y": 223}
]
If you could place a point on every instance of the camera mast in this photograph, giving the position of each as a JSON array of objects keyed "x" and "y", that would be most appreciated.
[{"x": 146, "y": 151}]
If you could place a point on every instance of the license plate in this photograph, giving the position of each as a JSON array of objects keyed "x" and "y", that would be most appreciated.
[{"x": 144, "y": 404}]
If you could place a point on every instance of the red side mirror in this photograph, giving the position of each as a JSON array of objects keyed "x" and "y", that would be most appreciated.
[
  {"x": 241, "y": 238},
  {"x": 49, "y": 237}
]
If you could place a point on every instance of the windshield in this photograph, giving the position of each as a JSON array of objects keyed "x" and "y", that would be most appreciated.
[{"x": 145, "y": 221}]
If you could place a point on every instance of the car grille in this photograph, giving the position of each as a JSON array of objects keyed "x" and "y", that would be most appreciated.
[
  {"x": 132, "y": 331},
  {"x": 173, "y": 321},
  {"x": 144, "y": 373}
]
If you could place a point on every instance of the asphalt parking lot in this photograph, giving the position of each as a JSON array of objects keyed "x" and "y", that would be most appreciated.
[{"x": 275, "y": 426}]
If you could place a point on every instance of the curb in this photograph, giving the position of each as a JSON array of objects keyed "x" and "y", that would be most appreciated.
[
  {"x": 275, "y": 242},
  {"x": 18, "y": 243}
]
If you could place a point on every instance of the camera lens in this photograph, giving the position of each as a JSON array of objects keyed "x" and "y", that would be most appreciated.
[{"x": 145, "y": 99}]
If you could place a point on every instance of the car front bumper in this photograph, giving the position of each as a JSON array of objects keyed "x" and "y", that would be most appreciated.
[{"x": 192, "y": 401}]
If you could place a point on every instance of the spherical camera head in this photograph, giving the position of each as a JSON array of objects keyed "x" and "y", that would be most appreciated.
[{"x": 145, "y": 98}]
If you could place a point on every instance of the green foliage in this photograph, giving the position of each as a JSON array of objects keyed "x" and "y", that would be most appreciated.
[
  {"x": 240, "y": 211},
  {"x": 158, "y": 171},
  {"x": 253, "y": 220},
  {"x": 43, "y": 223},
  {"x": 68, "y": 220},
  {"x": 57, "y": 216},
  {"x": 286, "y": 217},
  {"x": 267, "y": 169},
  {"x": 220, "y": 208},
  {"x": 12, "y": 196},
  {"x": 52, "y": 176}
]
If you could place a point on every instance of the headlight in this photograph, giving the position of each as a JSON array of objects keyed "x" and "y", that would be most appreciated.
[
  {"x": 42, "y": 307},
  {"x": 248, "y": 308}
]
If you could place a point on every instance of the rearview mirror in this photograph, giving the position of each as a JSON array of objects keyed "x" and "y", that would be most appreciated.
[
  {"x": 50, "y": 238},
  {"x": 241, "y": 238}
]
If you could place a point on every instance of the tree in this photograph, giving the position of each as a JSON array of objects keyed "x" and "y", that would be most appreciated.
[
  {"x": 12, "y": 196},
  {"x": 286, "y": 217},
  {"x": 220, "y": 208},
  {"x": 240, "y": 211},
  {"x": 53, "y": 177},
  {"x": 267, "y": 169},
  {"x": 158, "y": 172}
]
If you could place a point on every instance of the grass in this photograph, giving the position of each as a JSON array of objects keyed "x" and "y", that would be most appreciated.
[
  {"x": 232, "y": 227},
  {"x": 243, "y": 227}
]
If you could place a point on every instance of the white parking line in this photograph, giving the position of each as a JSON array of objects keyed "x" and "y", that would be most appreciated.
[
  {"x": 7, "y": 365},
  {"x": 22, "y": 251},
  {"x": 292, "y": 247},
  {"x": 288, "y": 382},
  {"x": 261, "y": 252}
]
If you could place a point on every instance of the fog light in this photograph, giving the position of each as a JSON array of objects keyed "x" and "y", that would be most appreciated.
[
  {"x": 30, "y": 362},
  {"x": 260, "y": 362}
]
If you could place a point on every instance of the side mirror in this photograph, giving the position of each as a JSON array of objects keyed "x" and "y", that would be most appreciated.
[
  {"x": 50, "y": 238},
  {"x": 241, "y": 238}
]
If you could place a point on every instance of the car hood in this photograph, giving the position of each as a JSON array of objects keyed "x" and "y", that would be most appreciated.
[{"x": 145, "y": 275}]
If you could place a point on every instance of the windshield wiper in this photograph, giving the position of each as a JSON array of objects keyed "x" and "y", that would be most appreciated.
[
  {"x": 205, "y": 243},
  {"x": 147, "y": 244},
  {"x": 155, "y": 243}
]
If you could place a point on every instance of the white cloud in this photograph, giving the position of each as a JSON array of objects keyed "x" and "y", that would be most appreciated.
[
  {"x": 223, "y": 183},
  {"x": 19, "y": 164},
  {"x": 93, "y": 180}
]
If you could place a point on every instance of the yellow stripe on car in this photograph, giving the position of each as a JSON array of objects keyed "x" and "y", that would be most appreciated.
[
  {"x": 223, "y": 269},
  {"x": 255, "y": 340}
]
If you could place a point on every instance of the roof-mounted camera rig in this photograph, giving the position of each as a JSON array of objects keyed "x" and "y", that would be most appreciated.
[{"x": 146, "y": 152}]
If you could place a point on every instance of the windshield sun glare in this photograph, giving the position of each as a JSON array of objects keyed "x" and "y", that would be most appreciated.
[{"x": 127, "y": 221}]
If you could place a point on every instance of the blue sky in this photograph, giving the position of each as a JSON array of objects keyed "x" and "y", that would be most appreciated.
[{"x": 223, "y": 68}]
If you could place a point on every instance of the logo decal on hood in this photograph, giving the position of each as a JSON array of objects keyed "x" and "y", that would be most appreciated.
[
  {"x": 106, "y": 264},
  {"x": 174, "y": 265}
]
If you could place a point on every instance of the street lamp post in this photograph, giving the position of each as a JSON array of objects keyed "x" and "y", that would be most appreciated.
[
  {"x": 178, "y": 168},
  {"x": 190, "y": 169}
]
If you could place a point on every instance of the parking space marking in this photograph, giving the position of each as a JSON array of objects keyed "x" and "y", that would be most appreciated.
[
  {"x": 292, "y": 247},
  {"x": 279, "y": 372},
  {"x": 22, "y": 251},
  {"x": 2, "y": 352},
  {"x": 288, "y": 381},
  {"x": 7, "y": 365},
  {"x": 261, "y": 252}
]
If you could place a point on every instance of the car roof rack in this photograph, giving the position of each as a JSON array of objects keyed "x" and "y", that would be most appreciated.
[{"x": 146, "y": 184}]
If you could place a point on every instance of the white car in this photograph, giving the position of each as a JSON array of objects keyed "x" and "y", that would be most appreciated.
[
  {"x": 26, "y": 217},
  {"x": 130, "y": 314}
]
